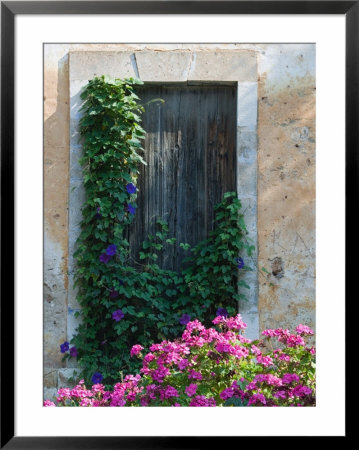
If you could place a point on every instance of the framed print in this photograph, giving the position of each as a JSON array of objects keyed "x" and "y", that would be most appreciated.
[{"x": 176, "y": 187}]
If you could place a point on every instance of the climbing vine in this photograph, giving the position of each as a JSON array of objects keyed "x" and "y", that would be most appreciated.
[{"x": 127, "y": 300}]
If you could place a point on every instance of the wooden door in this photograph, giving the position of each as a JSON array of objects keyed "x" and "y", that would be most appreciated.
[{"x": 190, "y": 149}]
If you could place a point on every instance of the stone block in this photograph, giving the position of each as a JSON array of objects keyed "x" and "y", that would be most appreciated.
[
  {"x": 53, "y": 252},
  {"x": 76, "y": 199},
  {"x": 76, "y": 89},
  {"x": 223, "y": 66},
  {"x": 163, "y": 66},
  {"x": 72, "y": 322},
  {"x": 250, "y": 277},
  {"x": 54, "y": 279},
  {"x": 73, "y": 235},
  {"x": 246, "y": 179},
  {"x": 252, "y": 330},
  {"x": 72, "y": 293},
  {"x": 75, "y": 137},
  {"x": 247, "y": 108},
  {"x": 87, "y": 65},
  {"x": 249, "y": 211},
  {"x": 50, "y": 394},
  {"x": 55, "y": 300},
  {"x": 76, "y": 153},
  {"x": 50, "y": 378},
  {"x": 247, "y": 146},
  {"x": 54, "y": 336},
  {"x": 248, "y": 306},
  {"x": 68, "y": 377}
]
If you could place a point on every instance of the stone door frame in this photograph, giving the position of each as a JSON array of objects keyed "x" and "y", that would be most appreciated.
[{"x": 191, "y": 67}]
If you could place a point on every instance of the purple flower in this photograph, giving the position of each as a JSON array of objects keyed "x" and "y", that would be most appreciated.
[
  {"x": 111, "y": 250},
  {"x": 73, "y": 352},
  {"x": 64, "y": 347},
  {"x": 184, "y": 319},
  {"x": 114, "y": 293},
  {"x": 131, "y": 209},
  {"x": 105, "y": 258},
  {"x": 222, "y": 312},
  {"x": 131, "y": 188},
  {"x": 97, "y": 378},
  {"x": 98, "y": 215},
  {"x": 240, "y": 263},
  {"x": 118, "y": 315}
]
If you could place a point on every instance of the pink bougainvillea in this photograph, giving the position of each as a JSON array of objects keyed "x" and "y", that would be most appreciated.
[{"x": 211, "y": 367}]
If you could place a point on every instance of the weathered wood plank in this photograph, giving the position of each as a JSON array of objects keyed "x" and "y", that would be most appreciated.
[{"x": 190, "y": 150}]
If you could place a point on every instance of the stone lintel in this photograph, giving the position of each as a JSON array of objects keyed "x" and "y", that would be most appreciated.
[
  {"x": 163, "y": 66},
  {"x": 224, "y": 66},
  {"x": 87, "y": 65}
]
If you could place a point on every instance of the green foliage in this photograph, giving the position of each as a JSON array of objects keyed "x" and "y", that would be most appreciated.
[
  {"x": 211, "y": 279},
  {"x": 152, "y": 299}
]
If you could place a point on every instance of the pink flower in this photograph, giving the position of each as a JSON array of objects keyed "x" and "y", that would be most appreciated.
[
  {"x": 194, "y": 325},
  {"x": 201, "y": 400},
  {"x": 160, "y": 374},
  {"x": 86, "y": 402},
  {"x": 63, "y": 394},
  {"x": 236, "y": 323},
  {"x": 106, "y": 395},
  {"x": 144, "y": 401},
  {"x": 300, "y": 391},
  {"x": 168, "y": 392},
  {"x": 268, "y": 333},
  {"x": 265, "y": 360},
  {"x": 242, "y": 339},
  {"x": 156, "y": 347},
  {"x": 268, "y": 379},
  {"x": 209, "y": 334},
  {"x": 257, "y": 398},
  {"x": 117, "y": 400},
  {"x": 98, "y": 388},
  {"x": 48, "y": 403},
  {"x": 227, "y": 393},
  {"x": 149, "y": 357},
  {"x": 255, "y": 350},
  {"x": 131, "y": 396},
  {"x": 287, "y": 378},
  {"x": 151, "y": 391},
  {"x": 191, "y": 390},
  {"x": 240, "y": 352},
  {"x": 280, "y": 394},
  {"x": 136, "y": 350},
  {"x": 195, "y": 375},
  {"x": 251, "y": 386},
  {"x": 219, "y": 320},
  {"x": 182, "y": 364},
  {"x": 80, "y": 392},
  {"x": 284, "y": 357},
  {"x": 303, "y": 329},
  {"x": 223, "y": 347}
]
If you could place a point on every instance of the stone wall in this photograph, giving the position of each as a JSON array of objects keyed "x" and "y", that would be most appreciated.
[{"x": 276, "y": 169}]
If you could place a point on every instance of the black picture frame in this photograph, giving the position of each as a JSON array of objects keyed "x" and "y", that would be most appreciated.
[{"x": 9, "y": 9}]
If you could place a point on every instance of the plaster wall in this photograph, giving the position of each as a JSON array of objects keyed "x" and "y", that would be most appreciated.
[{"x": 283, "y": 214}]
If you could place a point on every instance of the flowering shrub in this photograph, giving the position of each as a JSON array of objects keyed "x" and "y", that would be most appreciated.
[{"x": 212, "y": 367}]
